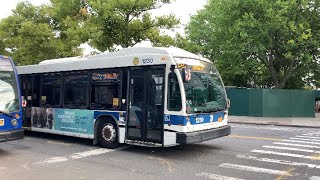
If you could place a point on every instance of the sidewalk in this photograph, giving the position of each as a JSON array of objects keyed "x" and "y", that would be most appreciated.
[{"x": 300, "y": 122}]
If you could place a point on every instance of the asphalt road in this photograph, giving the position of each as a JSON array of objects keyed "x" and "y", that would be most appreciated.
[{"x": 251, "y": 152}]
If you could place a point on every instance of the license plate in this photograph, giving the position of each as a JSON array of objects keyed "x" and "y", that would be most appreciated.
[{"x": 1, "y": 122}]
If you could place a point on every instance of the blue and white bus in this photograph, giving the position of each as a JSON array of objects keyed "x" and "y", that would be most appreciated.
[
  {"x": 142, "y": 96},
  {"x": 10, "y": 106}
]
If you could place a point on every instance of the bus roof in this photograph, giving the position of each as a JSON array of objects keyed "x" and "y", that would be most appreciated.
[{"x": 121, "y": 58}]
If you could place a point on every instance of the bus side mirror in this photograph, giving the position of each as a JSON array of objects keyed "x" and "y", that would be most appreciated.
[
  {"x": 228, "y": 103},
  {"x": 186, "y": 75}
]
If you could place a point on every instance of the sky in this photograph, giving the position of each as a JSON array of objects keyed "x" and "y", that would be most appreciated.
[{"x": 181, "y": 8}]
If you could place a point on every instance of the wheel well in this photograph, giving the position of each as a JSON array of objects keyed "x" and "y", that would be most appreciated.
[{"x": 100, "y": 119}]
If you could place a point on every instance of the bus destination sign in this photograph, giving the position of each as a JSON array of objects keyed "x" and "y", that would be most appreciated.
[{"x": 105, "y": 76}]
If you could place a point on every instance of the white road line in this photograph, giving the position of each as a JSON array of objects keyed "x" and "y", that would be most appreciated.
[
  {"x": 291, "y": 149},
  {"x": 216, "y": 176},
  {"x": 277, "y": 161},
  {"x": 3, "y": 168},
  {"x": 306, "y": 142},
  {"x": 283, "y": 154},
  {"x": 298, "y": 145},
  {"x": 305, "y": 139},
  {"x": 255, "y": 169},
  {"x": 315, "y": 178},
  {"x": 313, "y": 134},
  {"x": 310, "y": 137},
  {"x": 278, "y": 153},
  {"x": 78, "y": 155}
]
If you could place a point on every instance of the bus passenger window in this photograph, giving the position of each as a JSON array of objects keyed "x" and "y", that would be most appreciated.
[
  {"x": 51, "y": 86},
  {"x": 36, "y": 92},
  {"x": 174, "y": 95},
  {"x": 105, "y": 96},
  {"x": 105, "y": 90},
  {"x": 75, "y": 94}
]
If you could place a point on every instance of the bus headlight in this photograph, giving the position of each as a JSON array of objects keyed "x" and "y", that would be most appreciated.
[{"x": 14, "y": 122}]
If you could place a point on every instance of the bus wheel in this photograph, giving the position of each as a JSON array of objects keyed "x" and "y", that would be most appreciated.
[{"x": 108, "y": 134}]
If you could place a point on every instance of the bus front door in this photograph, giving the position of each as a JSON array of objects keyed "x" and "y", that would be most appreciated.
[
  {"x": 145, "y": 111},
  {"x": 26, "y": 92}
]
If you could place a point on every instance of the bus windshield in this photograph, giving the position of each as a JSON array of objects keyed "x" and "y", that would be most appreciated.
[
  {"x": 8, "y": 88},
  {"x": 205, "y": 91}
]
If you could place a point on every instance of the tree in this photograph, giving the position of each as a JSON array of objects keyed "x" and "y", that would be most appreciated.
[
  {"x": 2, "y": 47},
  {"x": 35, "y": 33},
  {"x": 186, "y": 44},
  {"x": 68, "y": 18},
  {"x": 313, "y": 78},
  {"x": 127, "y": 22},
  {"x": 270, "y": 43}
]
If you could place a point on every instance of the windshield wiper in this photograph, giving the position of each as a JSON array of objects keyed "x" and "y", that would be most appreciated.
[
  {"x": 211, "y": 110},
  {"x": 216, "y": 109},
  {"x": 5, "y": 113},
  {"x": 198, "y": 111}
]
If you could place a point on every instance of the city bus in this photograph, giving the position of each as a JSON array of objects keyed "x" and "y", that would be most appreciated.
[
  {"x": 10, "y": 106},
  {"x": 156, "y": 97}
]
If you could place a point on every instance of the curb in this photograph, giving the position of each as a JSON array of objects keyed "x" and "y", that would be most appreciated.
[{"x": 271, "y": 124}]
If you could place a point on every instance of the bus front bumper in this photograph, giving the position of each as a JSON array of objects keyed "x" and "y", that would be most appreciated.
[
  {"x": 11, "y": 135},
  {"x": 200, "y": 136}
]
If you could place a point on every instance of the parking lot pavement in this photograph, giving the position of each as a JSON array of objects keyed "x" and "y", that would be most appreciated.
[{"x": 250, "y": 152}]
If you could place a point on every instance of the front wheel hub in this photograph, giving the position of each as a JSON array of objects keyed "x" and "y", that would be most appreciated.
[{"x": 109, "y": 132}]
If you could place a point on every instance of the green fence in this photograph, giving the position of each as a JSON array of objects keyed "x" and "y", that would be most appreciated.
[
  {"x": 271, "y": 102},
  {"x": 317, "y": 94}
]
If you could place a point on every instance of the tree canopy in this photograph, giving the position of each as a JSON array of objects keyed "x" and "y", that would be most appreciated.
[
  {"x": 261, "y": 43},
  {"x": 127, "y": 22},
  {"x": 35, "y": 33}
]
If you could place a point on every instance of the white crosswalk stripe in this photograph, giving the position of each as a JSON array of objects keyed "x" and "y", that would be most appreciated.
[
  {"x": 305, "y": 146},
  {"x": 291, "y": 149},
  {"x": 215, "y": 176},
  {"x": 284, "y": 154},
  {"x": 305, "y": 139},
  {"x": 297, "y": 145},
  {"x": 306, "y": 142},
  {"x": 278, "y": 161},
  {"x": 312, "y": 134},
  {"x": 254, "y": 169},
  {"x": 315, "y": 178},
  {"x": 308, "y": 137}
]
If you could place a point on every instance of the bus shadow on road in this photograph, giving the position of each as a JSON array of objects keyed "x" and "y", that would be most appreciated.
[
  {"x": 190, "y": 151},
  {"x": 59, "y": 138},
  {"x": 4, "y": 153}
]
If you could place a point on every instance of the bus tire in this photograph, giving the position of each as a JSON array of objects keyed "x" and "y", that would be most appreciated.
[{"x": 108, "y": 134}]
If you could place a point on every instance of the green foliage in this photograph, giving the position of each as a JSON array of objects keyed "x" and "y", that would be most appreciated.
[
  {"x": 68, "y": 18},
  {"x": 36, "y": 33},
  {"x": 186, "y": 44},
  {"x": 127, "y": 22},
  {"x": 2, "y": 47},
  {"x": 260, "y": 43}
]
